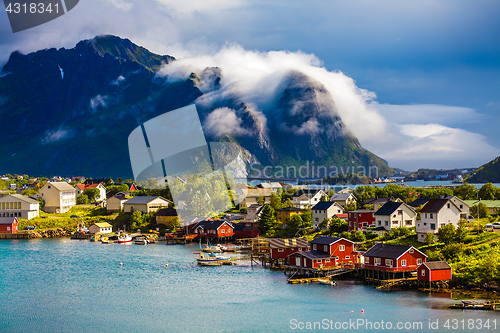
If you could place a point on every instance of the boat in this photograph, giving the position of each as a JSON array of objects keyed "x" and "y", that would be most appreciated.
[
  {"x": 124, "y": 238},
  {"x": 212, "y": 259},
  {"x": 141, "y": 241},
  {"x": 327, "y": 281},
  {"x": 213, "y": 249}
]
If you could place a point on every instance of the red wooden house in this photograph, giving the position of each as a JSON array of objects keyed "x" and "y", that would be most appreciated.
[
  {"x": 360, "y": 219},
  {"x": 282, "y": 248},
  {"x": 214, "y": 229},
  {"x": 244, "y": 231},
  {"x": 393, "y": 258},
  {"x": 325, "y": 252},
  {"x": 8, "y": 225},
  {"x": 434, "y": 271}
]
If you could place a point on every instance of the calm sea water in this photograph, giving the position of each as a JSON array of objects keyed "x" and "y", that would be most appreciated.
[{"x": 66, "y": 285}]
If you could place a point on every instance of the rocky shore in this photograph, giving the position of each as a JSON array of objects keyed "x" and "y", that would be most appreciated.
[{"x": 49, "y": 233}]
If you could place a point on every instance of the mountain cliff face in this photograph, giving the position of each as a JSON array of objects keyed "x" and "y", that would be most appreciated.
[{"x": 70, "y": 111}]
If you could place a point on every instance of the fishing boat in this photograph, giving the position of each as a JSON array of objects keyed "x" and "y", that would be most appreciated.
[
  {"x": 327, "y": 281},
  {"x": 124, "y": 238},
  {"x": 214, "y": 249},
  {"x": 212, "y": 259}
]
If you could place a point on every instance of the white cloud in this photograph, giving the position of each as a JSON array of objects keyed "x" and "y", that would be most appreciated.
[
  {"x": 121, "y": 4},
  {"x": 56, "y": 135},
  {"x": 224, "y": 121},
  {"x": 99, "y": 101}
]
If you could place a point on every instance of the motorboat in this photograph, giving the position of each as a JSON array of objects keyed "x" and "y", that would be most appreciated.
[{"x": 212, "y": 259}]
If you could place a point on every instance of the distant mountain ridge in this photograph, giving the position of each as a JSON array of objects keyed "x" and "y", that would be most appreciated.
[
  {"x": 70, "y": 111},
  {"x": 487, "y": 173}
]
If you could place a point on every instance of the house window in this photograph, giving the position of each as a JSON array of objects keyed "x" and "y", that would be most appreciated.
[
  {"x": 388, "y": 262},
  {"x": 341, "y": 247},
  {"x": 400, "y": 212},
  {"x": 394, "y": 222},
  {"x": 423, "y": 272},
  {"x": 365, "y": 224},
  {"x": 419, "y": 261},
  {"x": 411, "y": 251},
  {"x": 325, "y": 248},
  {"x": 223, "y": 231},
  {"x": 448, "y": 205},
  {"x": 367, "y": 260},
  {"x": 314, "y": 247},
  {"x": 8, "y": 228},
  {"x": 432, "y": 216},
  {"x": 461, "y": 207},
  {"x": 403, "y": 262},
  {"x": 327, "y": 260},
  {"x": 433, "y": 226},
  {"x": 378, "y": 261},
  {"x": 348, "y": 257},
  {"x": 379, "y": 222},
  {"x": 386, "y": 222},
  {"x": 281, "y": 250},
  {"x": 426, "y": 215},
  {"x": 318, "y": 261}
]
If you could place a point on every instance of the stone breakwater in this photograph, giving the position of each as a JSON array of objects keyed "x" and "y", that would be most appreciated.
[{"x": 49, "y": 233}]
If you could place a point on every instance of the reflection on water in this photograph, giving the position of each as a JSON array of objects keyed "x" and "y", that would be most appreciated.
[{"x": 79, "y": 286}]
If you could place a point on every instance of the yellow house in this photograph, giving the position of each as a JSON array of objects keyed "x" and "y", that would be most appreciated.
[
  {"x": 284, "y": 215},
  {"x": 166, "y": 215},
  {"x": 146, "y": 204},
  {"x": 59, "y": 197}
]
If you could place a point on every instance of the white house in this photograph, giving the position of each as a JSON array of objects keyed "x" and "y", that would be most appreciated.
[
  {"x": 145, "y": 204},
  {"x": 395, "y": 214},
  {"x": 343, "y": 199},
  {"x": 462, "y": 205},
  {"x": 102, "y": 228},
  {"x": 436, "y": 214},
  {"x": 307, "y": 198},
  {"x": 59, "y": 197},
  {"x": 325, "y": 210},
  {"x": 80, "y": 188},
  {"x": 16, "y": 205}
]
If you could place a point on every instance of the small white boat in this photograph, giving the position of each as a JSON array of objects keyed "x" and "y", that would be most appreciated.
[
  {"x": 141, "y": 241},
  {"x": 327, "y": 281},
  {"x": 211, "y": 259},
  {"x": 124, "y": 238}
]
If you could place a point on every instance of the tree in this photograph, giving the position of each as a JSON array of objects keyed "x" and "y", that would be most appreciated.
[
  {"x": 82, "y": 199},
  {"x": 174, "y": 224},
  {"x": 483, "y": 210},
  {"x": 268, "y": 224},
  {"x": 430, "y": 238},
  {"x": 358, "y": 236},
  {"x": 119, "y": 180},
  {"x": 275, "y": 201},
  {"x": 324, "y": 224},
  {"x": 136, "y": 220},
  {"x": 338, "y": 225},
  {"x": 461, "y": 233},
  {"x": 92, "y": 194},
  {"x": 488, "y": 192},
  {"x": 446, "y": 234},
  {"x": 465, "y": 191}
]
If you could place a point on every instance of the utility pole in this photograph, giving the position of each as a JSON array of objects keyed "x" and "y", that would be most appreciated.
[{"x": 478, "y": 201}]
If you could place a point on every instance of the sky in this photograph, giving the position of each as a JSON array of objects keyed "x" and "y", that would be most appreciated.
[{"x": 416, "y": 81}]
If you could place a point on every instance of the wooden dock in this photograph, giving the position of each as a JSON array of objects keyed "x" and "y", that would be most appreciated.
[
  {"x": 476, "y": 306},
  {"x": 20, "y": 235}
]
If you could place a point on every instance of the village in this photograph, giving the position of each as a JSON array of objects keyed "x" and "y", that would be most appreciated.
[{"x": 402, "y": 239}]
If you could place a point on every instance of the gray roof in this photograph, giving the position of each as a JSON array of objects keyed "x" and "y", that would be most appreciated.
[
  {"x": 143, "y": 200},
  {"x": 63, "y": 186},
  {"x": 23, "y": 198},
  {"x": 323, "y": 205},
  {"x": 7, "y": 220},
  {"x": 388, "y": 251},
  {"x": 437, "y": 265},
  {"x": 340, "y": 196},
  {"x": 314, "y": 254}
]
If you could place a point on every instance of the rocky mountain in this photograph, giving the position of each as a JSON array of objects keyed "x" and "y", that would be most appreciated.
[
  {"x": 70, "y": 111},
  {"x": 487, "y": 173}
]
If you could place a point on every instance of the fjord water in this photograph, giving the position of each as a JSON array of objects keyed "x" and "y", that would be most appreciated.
[{"x": 65, "y": 285}]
